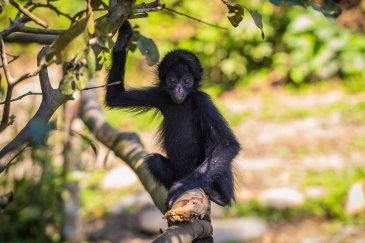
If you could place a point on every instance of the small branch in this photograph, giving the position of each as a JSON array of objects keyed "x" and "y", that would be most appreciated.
[
  {"x": 30, "y": 74},
  {"x": 9, "y": 79},
  {"x": 53, "y": 8},
  {"x": 38, "y": 93},
  {"x": 27, "y": 13},
  {"x": 101, "y": 86},
  {"x": 12, "y": 60},
  {"x": 5, "y": 63},
  {"x": 26, "y": 29},
  {"x": 22, "y": 96},
  {"x": 193, "y": 18}
]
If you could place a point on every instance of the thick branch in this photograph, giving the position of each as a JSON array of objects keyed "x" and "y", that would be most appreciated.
[
  {"x": 126, "y": 146},
  {"x": 26, "y": 29},
  {"x": 129, "y": 148},
  {"x": 51, "y": 100},
  {"x": 186, "y": 232}
]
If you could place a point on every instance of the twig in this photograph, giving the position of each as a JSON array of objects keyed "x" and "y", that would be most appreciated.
[
  {"x": 5, "y": 62},
  {"x": 31, "y": 74},
  {"x": 50, "y": 6},
  {"x": 193, "y": 18},
  {"x": 9, "y": 79},
  {"x": 29, "y": 14},
  {"x": 78, "y": 14},
  {"x": 13, "y": 156},
  {"x": 22, "y": 96},
  {"x": 100, "y": 86},
  {"x": 38, "y": 93}
]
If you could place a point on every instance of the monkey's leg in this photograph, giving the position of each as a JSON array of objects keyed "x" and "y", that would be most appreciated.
[{"x": 161, "y": 169}]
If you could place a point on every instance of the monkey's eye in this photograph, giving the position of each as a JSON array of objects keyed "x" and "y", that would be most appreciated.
[
  {"x": 171, "y": 79},
  {"x": 188, "y": 81}
]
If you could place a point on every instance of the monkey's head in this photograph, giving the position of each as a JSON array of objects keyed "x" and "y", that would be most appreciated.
[{"x": 180, "y": 73}]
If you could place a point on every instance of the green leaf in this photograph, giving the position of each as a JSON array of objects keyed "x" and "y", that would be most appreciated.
[
  {"x": 91, "y": 63},
  {"x": 148, "y": 48},
  {"x": 91, "y": 23},
  {"x": 256, "y": 16},
  {"x": 70, "y": 43},
  {"x": 39, "y": 130}
]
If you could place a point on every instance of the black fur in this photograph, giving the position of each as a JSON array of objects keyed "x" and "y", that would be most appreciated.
[{"x": 199, "y": 144}]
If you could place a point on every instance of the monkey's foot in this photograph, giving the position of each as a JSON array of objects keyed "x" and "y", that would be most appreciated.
[{"x": 191, "y": 205}]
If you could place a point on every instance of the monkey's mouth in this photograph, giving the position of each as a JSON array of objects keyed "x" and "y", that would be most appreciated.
[{"x": 177, "y": 97}]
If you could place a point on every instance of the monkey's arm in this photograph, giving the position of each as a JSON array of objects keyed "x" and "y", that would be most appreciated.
[
  {"x": 116, "y": 95},
  {"x": 215, "y": 174}
]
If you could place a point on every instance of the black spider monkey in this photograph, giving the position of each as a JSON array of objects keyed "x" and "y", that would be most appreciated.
[{"x": 198, "y": 143}]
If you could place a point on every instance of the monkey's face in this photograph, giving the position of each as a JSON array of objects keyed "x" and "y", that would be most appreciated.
[{"x": 179, "y": 83}]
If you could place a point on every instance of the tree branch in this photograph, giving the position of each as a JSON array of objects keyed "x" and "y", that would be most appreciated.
[
  {"x": 22, "y": 96},
  {"x": 129, "y": 148},
  {"x": 51, "y": 100},
  {"x": 27, "y": 13},
  {"x": 12, "y": 60},
  {"x": 9, "y": 79},
  {"x": 186, "y": 232},
  {"x": 25, "y": 29},
  {"x": 53, "y": 8}
]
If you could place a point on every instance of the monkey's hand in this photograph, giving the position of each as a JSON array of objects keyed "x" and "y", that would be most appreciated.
[{"x": 125, "y": 33}]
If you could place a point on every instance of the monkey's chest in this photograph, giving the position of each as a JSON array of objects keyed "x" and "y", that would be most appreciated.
[{"x": 181, "y": 139}]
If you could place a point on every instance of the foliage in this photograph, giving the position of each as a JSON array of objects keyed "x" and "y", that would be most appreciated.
[
  {"x": 301, "y": 46},
  {"x": 36, "y": 213}
]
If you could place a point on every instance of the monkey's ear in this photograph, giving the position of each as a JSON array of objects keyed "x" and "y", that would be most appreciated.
[{"x": 125, "y": 33}]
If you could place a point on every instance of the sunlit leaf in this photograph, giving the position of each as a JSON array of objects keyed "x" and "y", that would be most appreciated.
[
  {"x": 39, "y": 130},
  {"x": 71, "y": 42},
  {"x": 238, "y": 13},
  {"x": 91, "y": 63},
  {"x": 91, "y": 23},
  {"x": 256, "y": 16},
  {"x": 148, "y": 48}
]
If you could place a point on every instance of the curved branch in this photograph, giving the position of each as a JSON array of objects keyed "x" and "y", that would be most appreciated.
[
  {"x": 130, "y": 149},
  {"x": 126, "y": 146}
]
